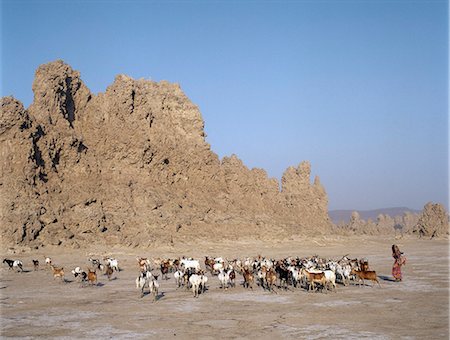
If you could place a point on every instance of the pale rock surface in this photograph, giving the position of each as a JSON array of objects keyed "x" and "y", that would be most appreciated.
[
  {"x": 433, "y": 221},
  {"x": 131, "y": 166}
]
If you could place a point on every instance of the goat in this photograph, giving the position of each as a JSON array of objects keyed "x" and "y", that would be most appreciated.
[
  {"x": 314, "y": 278},
  {"x": 344, "y": 272},
  {"x": 197, "y": 281},
  {"x": 217, "y": 267},
  {"x": 164, "y": 267},
  {"x": 232, "y": 275},
  {"x": 224, "y": 278},
  {"x": 271, "y": 279},
  {"x": 204, "y": 280},
  {"x": 9, "y": 263},
  {"x": 209, "y": 263},
  {"x": 109, "y": 271},
  {"x": 48, "y": 261},
  {"x": 248, "y": 277},
  {"x": 58, "y": 272},
  {"x": 330, "y": 278},
  {"x": 79, "y": 274},
  {"x": 142, "y": 280},
  {"x": 154, "y": 288},
  {"x": 112, "y": 263},
  {"x": 77, "y": 271},
  {"x": 97, "y": 264},
  {"x": 364, "y": 265},
  {"x": 366, "y": 275},
  {"x": 283, "y": 274},
  {"x": 187, "y": 274},
  {"x": 175, "y": 264},
  {"x": 35, "y": 264},
  {"x": 185, "y": 263},
  {"x": 294, "y": 275},
  {"x": 147, "y": 279},
  {"x": 18, "y": 265},
  {"x": 144, "y": 263},
  {"x": 157, "y": 261},
  {"x": 14, "y": 264},
  {"x": 92, "y": 276},
  {"x": 262, "y": 275},
  {"x": 178, "y": 276}
]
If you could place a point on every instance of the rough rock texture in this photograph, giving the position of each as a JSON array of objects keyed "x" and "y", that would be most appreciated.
[
  {"x": 433, "y": 221},
  {"x": 132, "y": 166}
]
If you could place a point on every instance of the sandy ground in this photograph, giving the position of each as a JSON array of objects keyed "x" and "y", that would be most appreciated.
[{"x": 33, "y": 304}]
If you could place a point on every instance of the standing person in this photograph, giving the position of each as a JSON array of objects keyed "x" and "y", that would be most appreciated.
[{"x": 399, "y": 261}]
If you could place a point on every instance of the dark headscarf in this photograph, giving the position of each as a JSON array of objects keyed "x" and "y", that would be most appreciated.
[{"x": 396, "y": 253}]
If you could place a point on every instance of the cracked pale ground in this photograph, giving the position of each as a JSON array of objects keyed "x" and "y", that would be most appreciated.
[{"x": 35, "y": 305}]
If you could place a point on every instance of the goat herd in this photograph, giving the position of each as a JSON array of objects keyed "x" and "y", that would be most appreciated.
[{"x": 313, "y": 273}]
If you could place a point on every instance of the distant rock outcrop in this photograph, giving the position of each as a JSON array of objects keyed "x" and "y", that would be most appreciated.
[
  {"x": 433, "y": 221},
  {"x": 131, "y": 166}
]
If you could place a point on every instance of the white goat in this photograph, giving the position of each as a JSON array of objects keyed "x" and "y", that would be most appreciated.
[
  {"x": 194, "y": 264},
  {"x": 197, "y": 281},
  {"x": 330, "y": 278},
  {"x": 113, "y": 263},
  {"x": 18, "y": 265},
  {"x": 295, "y": 275},
  {"x": 217, "y": 267},
  {"x": 344, "y": 272},
  {"x": 204, "y": 280},
  {"x": 146, "y": 279},
  {"x": 224, "y": 278},
  {"x": 178, "y": 276},
  {"x": 79, "y": 274},
  {"x": 96, "y": 264}
]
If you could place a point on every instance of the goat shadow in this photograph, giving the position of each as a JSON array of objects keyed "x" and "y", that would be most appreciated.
[
  {"x": 386, "y": 278},
  {"x": 158, "y": 297}
]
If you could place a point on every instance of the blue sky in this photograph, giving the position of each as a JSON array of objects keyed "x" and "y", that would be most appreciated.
[{"x": 358, "y": 88}]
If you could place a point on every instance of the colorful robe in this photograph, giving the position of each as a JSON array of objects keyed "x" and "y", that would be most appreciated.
[{"x": 397, "y": 268}]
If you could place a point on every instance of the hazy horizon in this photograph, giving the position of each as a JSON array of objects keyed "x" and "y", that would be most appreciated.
[{"x": 359, "y": 89}]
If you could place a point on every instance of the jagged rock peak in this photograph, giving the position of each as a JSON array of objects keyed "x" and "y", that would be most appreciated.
[
  {"x": 295, "y": 180},
  {"x": 12, "y": 114},
  {"x": 433, "y": 221},
  {"x": 130, "y": 166},
  {"x": 59, "y": 94}
]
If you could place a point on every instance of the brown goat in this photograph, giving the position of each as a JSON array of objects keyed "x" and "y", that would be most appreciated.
[
  {"x": 164, "y": 269},
  {"x": 58, "y": 272},
  {"x": 363, "y": 265},
  {"x": 248, "y": 278},
  {"x": 109, "y": 271},
  {"x": 144, "y": 263},
  {"x": 209, "y": 263},
  {"x": 92, "y": 277},
  {"x": 271, "y": 279},
  {"x": 315, "y": 278},
  {"x": 366, "y": 275}
]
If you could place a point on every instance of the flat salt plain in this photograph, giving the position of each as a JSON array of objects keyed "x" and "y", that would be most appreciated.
[{"x": 33, "y": 304}]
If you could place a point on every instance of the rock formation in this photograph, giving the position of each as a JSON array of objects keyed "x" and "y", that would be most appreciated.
[
  {"x": 433, "y": 221},
  {"x": 131, "y": 166}
]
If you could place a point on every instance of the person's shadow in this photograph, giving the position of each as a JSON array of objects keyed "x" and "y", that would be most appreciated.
[{"x": 386, "y": 278}]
